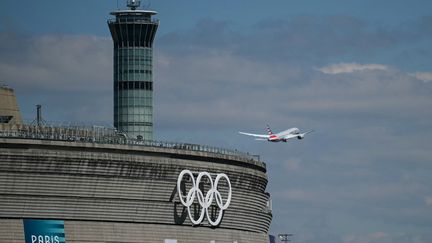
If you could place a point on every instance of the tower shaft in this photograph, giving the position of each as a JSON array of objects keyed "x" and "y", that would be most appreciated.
[{"x": 133, "y": 32}]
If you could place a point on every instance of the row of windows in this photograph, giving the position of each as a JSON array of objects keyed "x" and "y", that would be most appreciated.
[
  {"x": 145, "y": 56},
  {"x": 133, "y": 64},
  {"x": 134, "y": 118},
  {"x": 138, "y": 29},
  {"x": 134, "y": 19},
  {"x": 127, "y": 35},
  {"x": 133, "y": 51},
  {"x": 132, "y": 96},
  {"x": 132, "y": 41},
  {"x": 131, "y": 102},
  {"x": 121, "y": 71},
  {"x": 133, "y": 109},
  {"x": 133, "y": 77},
  {"x": 131, "y": 85},
  {"x": 140, "y": 104},
  {"x": 133, "y": 61},
  {"x": 136, "y": 58},
  {"x": 143, "y": 110},
  {"x": 135, "y": 93}
]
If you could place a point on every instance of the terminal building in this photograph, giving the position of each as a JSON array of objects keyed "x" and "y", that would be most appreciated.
[{"x": 92, "y": 184}]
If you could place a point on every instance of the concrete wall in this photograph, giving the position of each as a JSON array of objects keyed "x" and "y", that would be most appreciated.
[
  {"x": 12, "y": 231},
  {"x": 118, "y": 193},
  {"x": 9, "y": 106}
]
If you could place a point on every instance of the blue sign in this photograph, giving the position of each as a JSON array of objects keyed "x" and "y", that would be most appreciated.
[
  {"x": 44, "y": 231},
  {"x": 272, "y": 239}
]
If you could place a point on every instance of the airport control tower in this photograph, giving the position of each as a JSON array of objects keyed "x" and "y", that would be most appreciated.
[{"x": 133, "y": 32}]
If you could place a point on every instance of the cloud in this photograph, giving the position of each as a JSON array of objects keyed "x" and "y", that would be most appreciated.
[
  {"x": 424, "y": 76},
  {"x": 351, "y": 67},
  {"x": 235, "y": 88},
  {"x": 298, "y": 40},
  {"x": 317, "y": 38},
  {"x": 70, "y": 75},
  {"x": 56, "y": 62}
]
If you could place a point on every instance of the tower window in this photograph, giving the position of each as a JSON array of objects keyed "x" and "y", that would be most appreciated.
[
  {"x": 5, "y": 119},
  {"x": 134, "y": 85}
]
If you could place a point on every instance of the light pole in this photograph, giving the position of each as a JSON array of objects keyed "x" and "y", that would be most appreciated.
[{"x": 284, "y": 237}]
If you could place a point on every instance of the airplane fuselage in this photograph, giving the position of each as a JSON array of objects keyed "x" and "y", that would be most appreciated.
[{"x": 280, "y": 137}]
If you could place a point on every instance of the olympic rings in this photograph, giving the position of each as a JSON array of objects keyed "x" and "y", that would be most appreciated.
[{"x": 205, "y": 201}]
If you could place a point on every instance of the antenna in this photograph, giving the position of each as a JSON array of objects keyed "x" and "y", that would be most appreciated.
[
  {"x": 39, "y": 120},
  {"x": 133, "y": 4}
]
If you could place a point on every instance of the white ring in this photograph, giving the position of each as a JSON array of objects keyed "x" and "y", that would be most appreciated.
[{"x": 205, "y": 201}]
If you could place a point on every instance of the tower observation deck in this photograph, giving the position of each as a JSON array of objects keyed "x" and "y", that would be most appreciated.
[{"x": 133, "y": 32}]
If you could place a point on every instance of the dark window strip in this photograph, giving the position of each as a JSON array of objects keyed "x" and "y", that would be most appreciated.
[{"x": 134, "y": 85}]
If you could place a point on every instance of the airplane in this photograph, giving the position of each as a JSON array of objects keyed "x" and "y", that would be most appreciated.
[{"x": 278, "y": 137}]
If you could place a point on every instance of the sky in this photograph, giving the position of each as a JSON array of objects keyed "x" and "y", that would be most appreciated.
[{"x": 359, "y": 73}]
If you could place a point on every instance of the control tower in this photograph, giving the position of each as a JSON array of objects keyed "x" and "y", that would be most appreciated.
[{"x": 133, "y": 32}]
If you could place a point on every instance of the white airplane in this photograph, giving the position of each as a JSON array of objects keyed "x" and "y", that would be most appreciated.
[{"x": 278, "y": 137}]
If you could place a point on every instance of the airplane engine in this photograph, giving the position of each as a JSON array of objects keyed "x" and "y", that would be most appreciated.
[{"x": 300, "y": 137}]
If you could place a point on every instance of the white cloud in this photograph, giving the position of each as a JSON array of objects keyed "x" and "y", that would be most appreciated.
[
  {"x": 351, "y": 67},
  {"x": 56, "y": 62},
  {"x": 71, "y": 75},
  {"x": 423, "y": 76},
  {"x": 235, "y": 88}
]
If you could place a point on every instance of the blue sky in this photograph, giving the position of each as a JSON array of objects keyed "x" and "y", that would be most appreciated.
[{"x": 357, "y": 72}]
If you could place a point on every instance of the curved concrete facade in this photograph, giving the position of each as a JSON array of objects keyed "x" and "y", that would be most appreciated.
[{"x": 124, "y": 193}]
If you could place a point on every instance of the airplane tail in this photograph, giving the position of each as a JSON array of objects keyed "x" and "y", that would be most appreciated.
[{"x": 269, "y": 130}]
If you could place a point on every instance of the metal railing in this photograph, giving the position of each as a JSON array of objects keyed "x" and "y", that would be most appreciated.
[
  {"x": 106, "y": 135},
  {"x": 133, "y": 20}
]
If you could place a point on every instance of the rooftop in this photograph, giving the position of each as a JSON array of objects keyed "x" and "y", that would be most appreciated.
[{"x": 105, "y": 135}]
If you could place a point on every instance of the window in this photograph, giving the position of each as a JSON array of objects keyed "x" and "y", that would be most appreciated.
[
  {"x": 170, "y": 241},
  {"x": 5, "y": 119},
  {"x": 134, "y": 85}
]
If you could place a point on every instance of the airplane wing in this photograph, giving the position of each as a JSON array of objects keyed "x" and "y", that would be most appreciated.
[
  {"x": 255, "y": 135},
  {"x": 307, "y": 132},
  {"x": 289, "y": 136}
]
